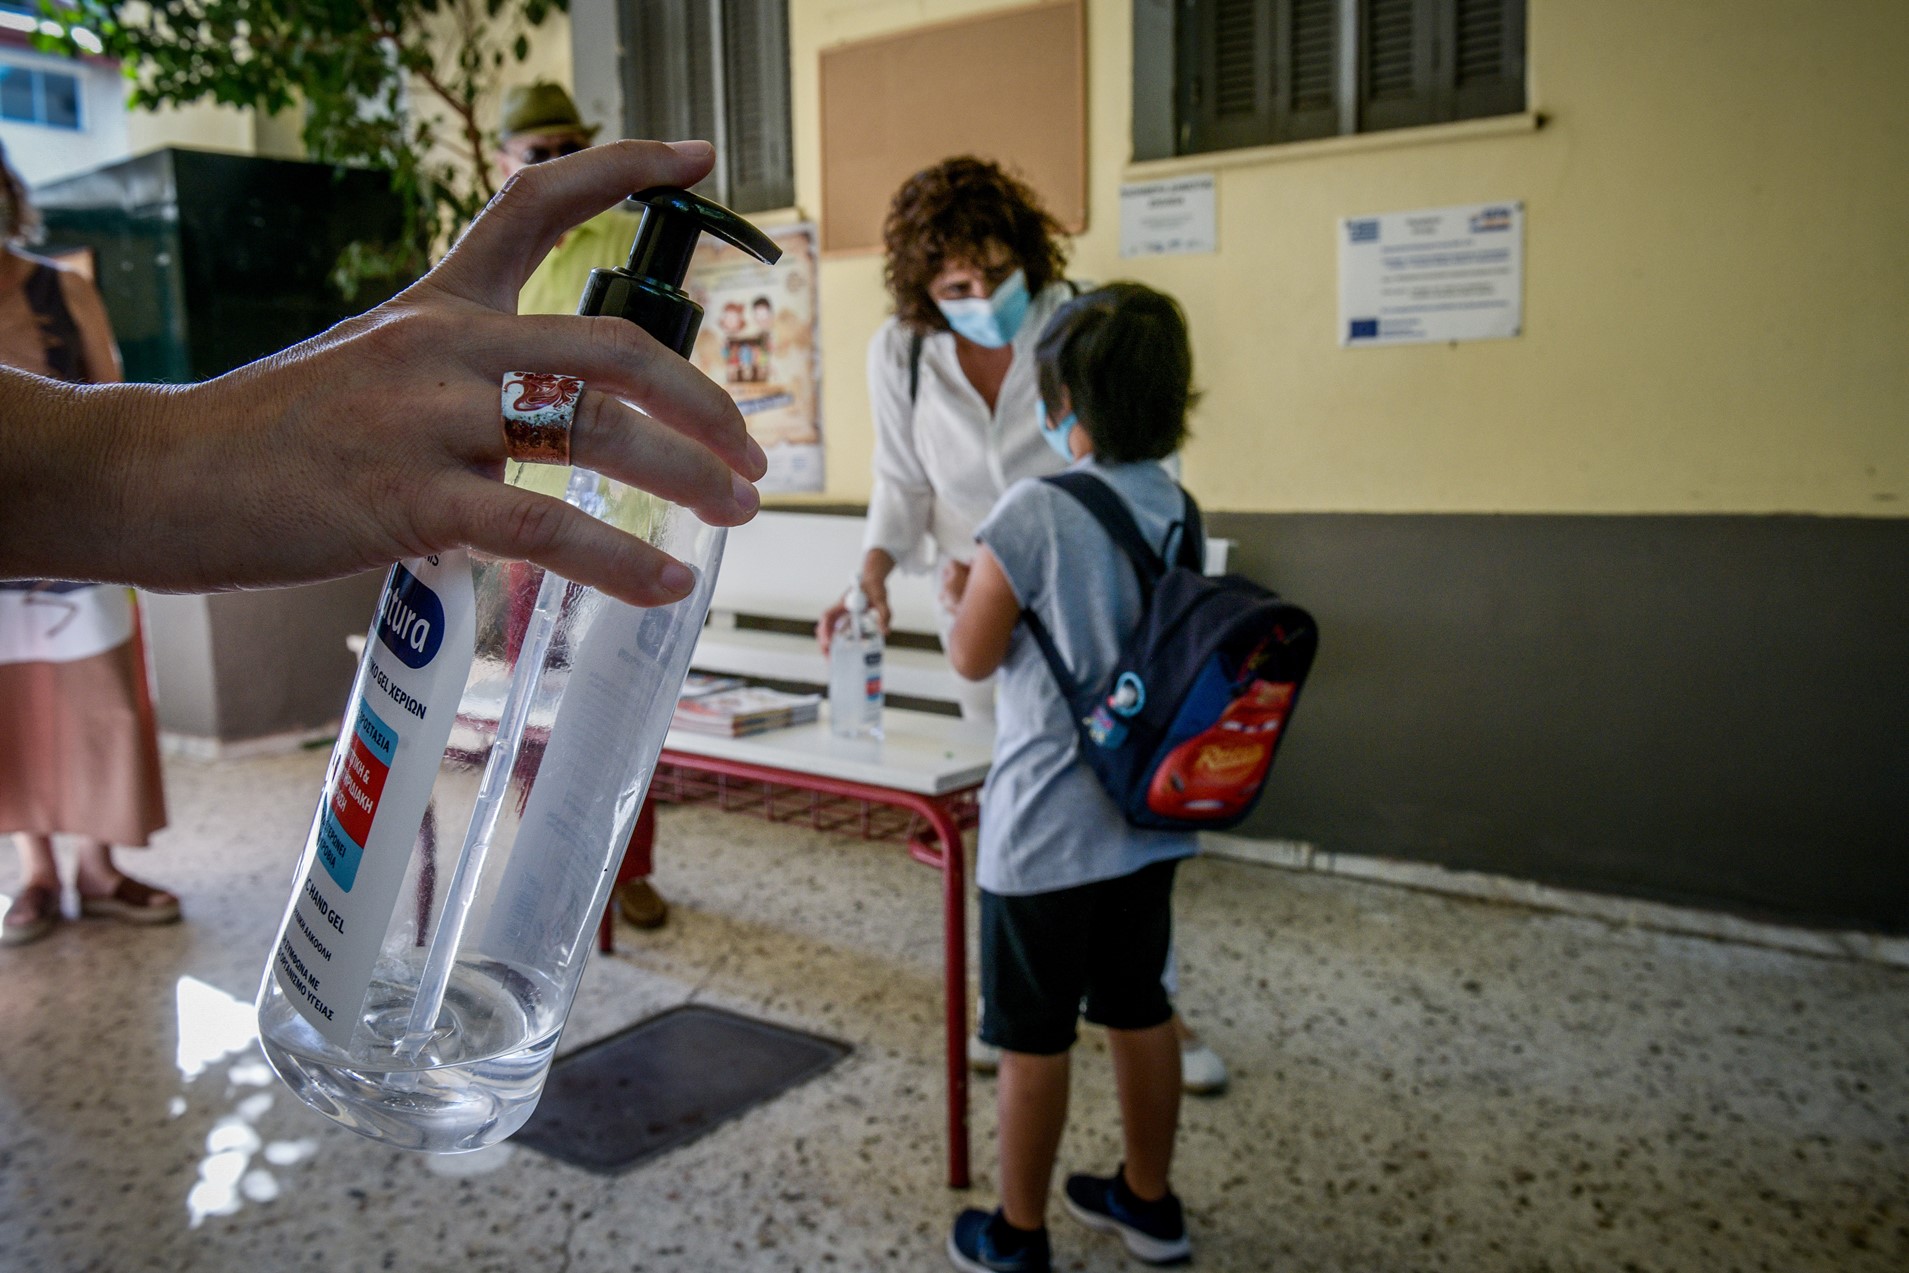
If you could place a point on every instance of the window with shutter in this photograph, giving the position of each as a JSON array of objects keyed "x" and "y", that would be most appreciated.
[
  {"x": 1396, "y": 61},
  {"x": 1309, "y": 49},
  {"x": 1488, "y": 63},
  {"x": 717, "y": 69},
  {"x": 756, "y": 80},
  {"x": 1432, "y": 61},
  {"x": 1254, "y": 72},
  {"x": 1257, "y": 71}
]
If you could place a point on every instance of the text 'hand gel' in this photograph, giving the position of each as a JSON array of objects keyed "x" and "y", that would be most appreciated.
[{"x": 496, "y": 749}]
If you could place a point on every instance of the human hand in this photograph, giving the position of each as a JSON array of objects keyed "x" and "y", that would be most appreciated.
[
  {"x": 876, "y": 590},
  {"x": 954, "y": 584},
  {"x": 381, "y": 438}
]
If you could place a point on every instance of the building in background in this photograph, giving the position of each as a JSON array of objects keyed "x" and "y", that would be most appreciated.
[{"x": 58, "y": 115}]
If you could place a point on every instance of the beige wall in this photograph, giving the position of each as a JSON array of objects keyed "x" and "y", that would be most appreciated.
[{"x": 1715, "y": 276}]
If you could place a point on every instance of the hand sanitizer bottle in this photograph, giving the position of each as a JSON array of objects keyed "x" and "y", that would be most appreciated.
[
  {"x": 496, "y": 749},
  {"x": 855, "y": 670}
]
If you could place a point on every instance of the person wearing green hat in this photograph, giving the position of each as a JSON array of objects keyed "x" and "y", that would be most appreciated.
[{"x": 538, "y": 123}]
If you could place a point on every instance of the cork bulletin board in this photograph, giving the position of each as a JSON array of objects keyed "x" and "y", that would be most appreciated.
[{"x": 1009, "y": 85}]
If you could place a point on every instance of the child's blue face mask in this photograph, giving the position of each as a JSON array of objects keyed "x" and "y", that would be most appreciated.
[
  {"x": 1058, "y": 435},
  {"x": 990, "y": 321}
]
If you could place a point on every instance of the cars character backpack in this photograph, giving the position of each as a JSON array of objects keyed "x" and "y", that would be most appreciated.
[{"x": 1183, "y": 734}]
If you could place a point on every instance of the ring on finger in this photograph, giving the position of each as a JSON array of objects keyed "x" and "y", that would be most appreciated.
[{"x": 538, "y": 410}]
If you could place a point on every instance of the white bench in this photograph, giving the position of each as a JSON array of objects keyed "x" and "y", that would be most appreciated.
[{"x": 792, "y": 566}]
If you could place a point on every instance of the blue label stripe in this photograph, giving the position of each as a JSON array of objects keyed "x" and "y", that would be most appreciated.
[
  {"x": 379, "y": 738},
  {"x": 338, "y": 851}
]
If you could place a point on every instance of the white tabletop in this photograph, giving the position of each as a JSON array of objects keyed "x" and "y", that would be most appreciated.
[{"x": 919, "y": 752}]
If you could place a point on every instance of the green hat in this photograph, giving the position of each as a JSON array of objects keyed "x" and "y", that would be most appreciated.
[{"x": 540, "y": 108}]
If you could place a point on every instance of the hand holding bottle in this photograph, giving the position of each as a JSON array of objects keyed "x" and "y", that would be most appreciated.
[
  {"x": 381, "y": 438},
  {"x": 874, "y": 583}
]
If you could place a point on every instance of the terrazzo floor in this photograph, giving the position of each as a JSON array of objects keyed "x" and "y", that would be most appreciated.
[{"x": 1419, "y": 1083}]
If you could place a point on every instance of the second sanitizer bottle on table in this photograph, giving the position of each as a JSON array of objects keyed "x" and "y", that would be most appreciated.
[
  {"x": 497, "y": 746},
  {"x": 855, "y": 669}
]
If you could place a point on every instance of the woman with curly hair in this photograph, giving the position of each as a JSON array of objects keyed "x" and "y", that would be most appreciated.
[{"x": 974, "y": 270}]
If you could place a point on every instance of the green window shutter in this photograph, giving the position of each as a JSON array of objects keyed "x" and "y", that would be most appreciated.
[
  {"x": 756, "y": 82},
  {"x": 674, "y": 86},
  {"x": 1398, "y": 80},
  {"x": 1488, "y": 58},
  {"x": 1256, "y": 71},
  {"x": 669, "y": 86},
  {"x": 1430, "y": 61},
  {"x": 1224, "y": 86},
  {"x": 1309, "y": 51}
]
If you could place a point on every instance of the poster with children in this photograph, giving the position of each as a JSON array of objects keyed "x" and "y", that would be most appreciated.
[{"x": 759, "y": 342}]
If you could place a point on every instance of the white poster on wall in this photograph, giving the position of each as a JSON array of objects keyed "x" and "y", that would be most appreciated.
[
  {"x": 1437, "y": 274},
  {"x": 1168, "y": 218}
]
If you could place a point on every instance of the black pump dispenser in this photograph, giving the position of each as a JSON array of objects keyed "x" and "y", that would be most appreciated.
[{"x": 649, "y": 290}]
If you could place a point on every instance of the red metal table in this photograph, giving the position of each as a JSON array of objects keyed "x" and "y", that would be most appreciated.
[{"x": 928, "y": 767}]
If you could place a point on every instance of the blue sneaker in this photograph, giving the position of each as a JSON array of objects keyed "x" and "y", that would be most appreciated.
[
  {"x": 984, "y": 1242},
  {"x": 1155, "y": 1232}
]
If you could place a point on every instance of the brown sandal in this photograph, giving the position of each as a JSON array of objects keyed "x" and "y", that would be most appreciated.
[
  {"x": 132, "y": 902},
  {"x": 38, "y": 909}
]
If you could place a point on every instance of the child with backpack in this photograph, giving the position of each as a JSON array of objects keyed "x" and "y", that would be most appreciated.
[{"x": 1075, "y": 899}]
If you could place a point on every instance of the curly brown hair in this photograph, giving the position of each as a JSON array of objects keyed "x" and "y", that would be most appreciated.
[{"x": 953, "y": 211}]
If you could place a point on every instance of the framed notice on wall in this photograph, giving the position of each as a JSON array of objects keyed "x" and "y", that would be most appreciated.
[
  {"x": 759, "y": 341},
  {"x": 1433, "y": 275}
]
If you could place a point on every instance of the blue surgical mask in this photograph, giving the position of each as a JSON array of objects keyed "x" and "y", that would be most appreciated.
[
  {"x": 990, "y": 321},
  {"x": 1058, "y": 435}
]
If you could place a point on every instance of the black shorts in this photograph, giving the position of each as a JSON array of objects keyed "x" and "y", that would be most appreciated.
[{"x": 1099, "y": 948}]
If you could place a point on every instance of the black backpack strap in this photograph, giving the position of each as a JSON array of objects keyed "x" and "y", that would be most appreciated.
[
  {"x": 1192, "y": 551},
  {"x": 1045, "y": 640},
  {"x": 914, "y": 366},
  {"x": 1107, "y": 508}
]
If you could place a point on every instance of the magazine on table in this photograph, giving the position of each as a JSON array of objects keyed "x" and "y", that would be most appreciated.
[
  {"x": 703, "y": 684},
  {"x": 737, "y": 711}
]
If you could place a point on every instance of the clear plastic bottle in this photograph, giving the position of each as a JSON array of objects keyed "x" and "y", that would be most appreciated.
[
  {"x": 855, "y": 670},
  {"x": 498, "y": 743}
]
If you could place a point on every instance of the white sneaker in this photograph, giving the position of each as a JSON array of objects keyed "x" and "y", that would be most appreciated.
[
  {"x": 983, "y": 1058},
  {"x": 1202, "y": 1072}
]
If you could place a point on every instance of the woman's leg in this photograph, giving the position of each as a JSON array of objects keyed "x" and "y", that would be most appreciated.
[
  {"x": 96, "y": 875},
  {"x": 37, "y": 865},
  {"x": 1147, "y": 1074},
  {"x": 36, "y": 901},
  {"x": 108, "y": 892},
  {"x": 1031, "y": 1104}
]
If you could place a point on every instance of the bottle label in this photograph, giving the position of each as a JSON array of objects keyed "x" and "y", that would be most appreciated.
[{"x": 377, "y": 789}]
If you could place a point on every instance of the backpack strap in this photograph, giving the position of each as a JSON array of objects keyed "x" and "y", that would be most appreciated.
[
  {"x": 1192, "y": 550},
  {"x": 1051, "y": 653},
  {"x": 1107, "y": 508}
]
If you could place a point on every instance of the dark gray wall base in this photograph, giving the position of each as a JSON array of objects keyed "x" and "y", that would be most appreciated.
[
  {"x": 240, "y": 665},
  {"x": 1708, "y": 710}
]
